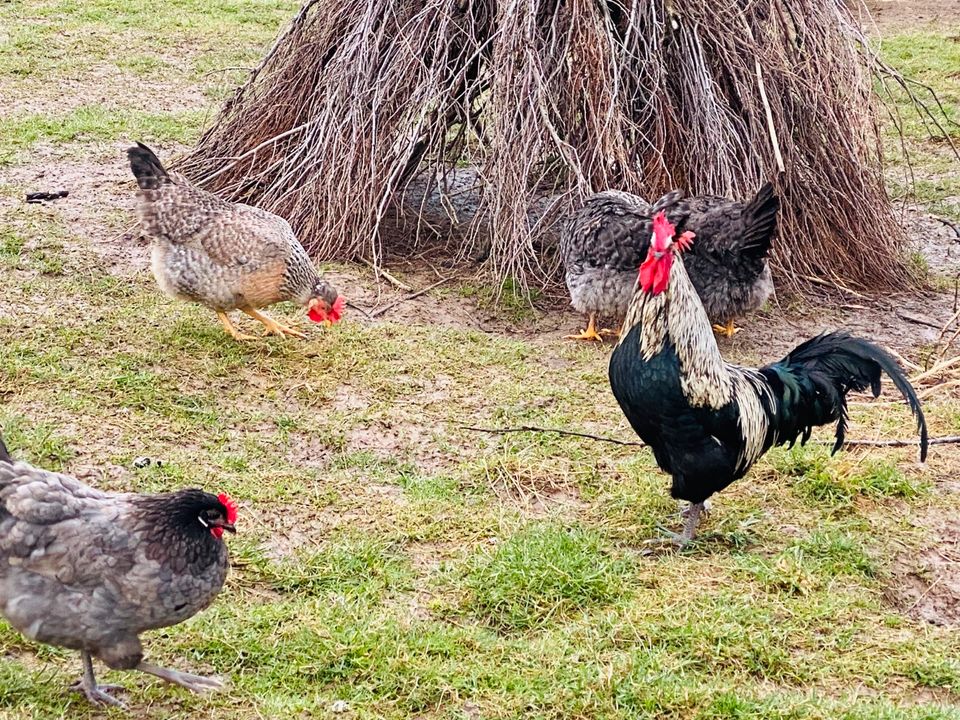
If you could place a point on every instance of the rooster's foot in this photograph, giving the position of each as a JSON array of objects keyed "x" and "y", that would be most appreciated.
[
  {"x": 728, "y": 330},
  {"x": 273, "y": 327},
  {"x": 590, "y": 333},
  {"x": 194, "y": 683}
]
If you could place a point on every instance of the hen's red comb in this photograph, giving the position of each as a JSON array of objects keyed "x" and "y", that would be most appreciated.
[
  {"x": 337, "y": 310},
  {"x": 231, "y": 507}
]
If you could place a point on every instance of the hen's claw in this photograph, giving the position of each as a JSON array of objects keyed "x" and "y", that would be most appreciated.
[
  {"x": 194, "y": 683},
  {"x": 87, "y": 684},
  {"x": 99, "y": 694},
  {"x": 273, "y": 327},
  {"x": 231, "y": 330},
  {"x": 590, "y": 333},
  {"x": 728, "y": 330}
]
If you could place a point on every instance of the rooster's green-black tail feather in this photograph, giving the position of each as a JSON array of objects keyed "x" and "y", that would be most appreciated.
[{"x": 811, "y": 384}]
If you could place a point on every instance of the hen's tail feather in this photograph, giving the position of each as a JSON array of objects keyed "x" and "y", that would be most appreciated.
[
  {"x": 147, "y": 168},
  {"x": 4, "y": 453},
  {"x": 836, "y": 363},
  {"x": 760, "y": 220}
]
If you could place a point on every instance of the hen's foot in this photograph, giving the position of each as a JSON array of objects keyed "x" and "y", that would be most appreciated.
[
  {"x": 231, "y": 330},
  {"x": 728, "y": 330},
  {"x": 87, "y": 684},
  {"x": 273, "y": 327},
  {"x": 194, "y": 683},
  {"x": 608, "y": 331},
  {"x": 590, "y": 333},
  {"x": 99, "y": 694}
]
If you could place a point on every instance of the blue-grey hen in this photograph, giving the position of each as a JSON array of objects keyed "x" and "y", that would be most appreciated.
[
  {"x": 225, "y": 255},
  {"x": 90, "y": 570},
  {"x": 606, "y": 239}
]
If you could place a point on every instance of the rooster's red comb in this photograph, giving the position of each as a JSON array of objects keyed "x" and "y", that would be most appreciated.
[
  {"x": 230, "y": 505},
  {"x": 663, "y": 230}
]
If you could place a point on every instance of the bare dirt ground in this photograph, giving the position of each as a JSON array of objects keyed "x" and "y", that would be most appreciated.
[{"x": 898, "y": 14}]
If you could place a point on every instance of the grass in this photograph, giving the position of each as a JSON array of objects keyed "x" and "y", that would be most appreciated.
[{"x": 387, "y": 558}]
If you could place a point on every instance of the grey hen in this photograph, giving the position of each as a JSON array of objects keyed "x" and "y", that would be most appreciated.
[
  {"x": 605, "y": 241},
  {"x": 227, "y": 256},
  {"x": 90, "y": 570}
]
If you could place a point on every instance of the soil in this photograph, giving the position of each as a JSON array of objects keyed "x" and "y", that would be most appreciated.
[
  {"x": 910, "y": 13},
  {"x": 926, "y": 585}
]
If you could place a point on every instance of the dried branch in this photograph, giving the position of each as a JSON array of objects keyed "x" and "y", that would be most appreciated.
[{"x": 550, "y": 101}]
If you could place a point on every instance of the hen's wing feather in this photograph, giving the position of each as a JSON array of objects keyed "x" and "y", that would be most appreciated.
[{"x": 229, "y": 233}]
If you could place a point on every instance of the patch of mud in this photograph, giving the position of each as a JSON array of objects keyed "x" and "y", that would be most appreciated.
[{"x": 926, "y": 585}]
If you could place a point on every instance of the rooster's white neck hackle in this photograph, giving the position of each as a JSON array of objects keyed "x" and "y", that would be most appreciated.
[{"x": 677, "y": 315}]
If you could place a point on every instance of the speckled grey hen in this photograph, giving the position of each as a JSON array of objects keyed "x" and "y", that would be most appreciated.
[
  {"x": 227, "y": 256},
  {"x": 604, "y": 242},
  {"x": 90, "y": 570}
]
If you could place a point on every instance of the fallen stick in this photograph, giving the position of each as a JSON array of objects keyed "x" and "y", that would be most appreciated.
[
  {"x": 946, "y": 440},
  {"x": 411, "y": 296}
]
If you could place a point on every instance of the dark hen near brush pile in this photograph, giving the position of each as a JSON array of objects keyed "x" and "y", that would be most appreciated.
[
  {"x": 708, "y": 421},
  {"x": 90, "y": 570},
  {"x": 605, "y": 241}
]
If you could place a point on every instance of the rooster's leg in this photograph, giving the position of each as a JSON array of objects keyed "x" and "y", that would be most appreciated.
[
  {"x": 590, "y": 333},
  {"x": 196, "y": 683},
  {"x": 273, "y": 327},
  {"x": 690, "y": 526},
  {"x": 231, "y": 330},
  {"x": 727, "y": 330},
  {"x": 96, "y": 694}
]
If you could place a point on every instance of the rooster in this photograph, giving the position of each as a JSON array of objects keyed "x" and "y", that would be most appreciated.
[
  {"x": 227, "y": 256},
  {"x": 605, "y": 240},
  {"x": 90, "y": 570},
  {"x": 708, "y": 421}
]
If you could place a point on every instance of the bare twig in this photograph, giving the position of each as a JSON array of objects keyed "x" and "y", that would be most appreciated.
[
  {"x": 380, "y": 311},
  {"x": 382, "y": 272},
  {"x": 947, "y": 440},
  {"x": 558, "y": 431}
]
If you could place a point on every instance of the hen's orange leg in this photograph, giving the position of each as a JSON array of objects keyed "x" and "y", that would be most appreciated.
[
  {"x": 589, "y": 334},
  {"x": 727, "y": 330},
  {"x": 231, "y": 330},
  {"x": 273, "y": 327}
]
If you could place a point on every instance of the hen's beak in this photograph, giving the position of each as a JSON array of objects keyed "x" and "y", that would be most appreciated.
[
  {"x": 225, "y": 526},
  {"x": 318, "y": 303}
]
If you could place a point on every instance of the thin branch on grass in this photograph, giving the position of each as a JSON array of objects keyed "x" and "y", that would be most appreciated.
[
  {"x": 380, "y": 311},
  {"x": 947, "y": 440}
]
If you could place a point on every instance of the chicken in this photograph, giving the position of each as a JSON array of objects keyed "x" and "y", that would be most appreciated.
[
  {"x": 604, "y": 241},
  {"x": 708, "y": 421},
  {"x": 90, "y": 570},
  {"x": 227, "y": 256}
]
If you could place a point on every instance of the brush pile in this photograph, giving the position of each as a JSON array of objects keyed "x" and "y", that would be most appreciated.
[{"x": 363, "y": 108}]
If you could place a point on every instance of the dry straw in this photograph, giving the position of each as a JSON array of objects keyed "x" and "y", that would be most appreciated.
[{"x": 551, "y": 100}]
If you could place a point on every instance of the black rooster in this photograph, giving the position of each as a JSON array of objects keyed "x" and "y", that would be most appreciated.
[
  {"x": 604, "y": 241},
  {"x": 708, "y": 421}
]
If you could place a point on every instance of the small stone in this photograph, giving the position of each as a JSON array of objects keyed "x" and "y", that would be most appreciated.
[
  {"x": 340, "y": 706},
  {"x": 142, "y": 462}
]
